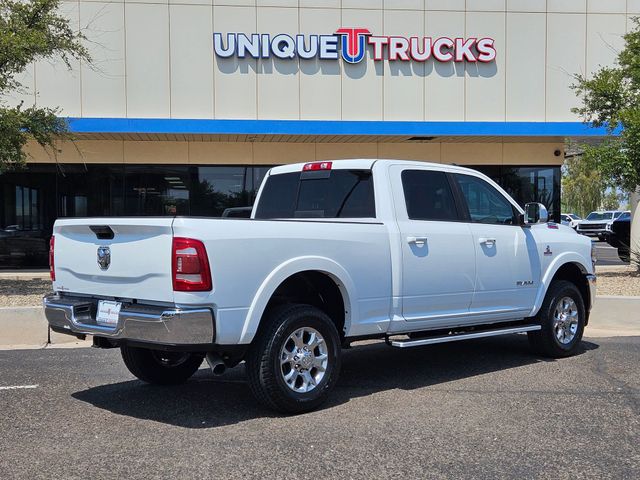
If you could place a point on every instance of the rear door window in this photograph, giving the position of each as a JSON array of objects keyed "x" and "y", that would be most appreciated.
[
  {"x": 318, "y": 194},
  {"x": 428, "y": 195}
]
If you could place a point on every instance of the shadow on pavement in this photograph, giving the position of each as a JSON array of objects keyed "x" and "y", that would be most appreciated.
[{"x": 207, "y": 401}]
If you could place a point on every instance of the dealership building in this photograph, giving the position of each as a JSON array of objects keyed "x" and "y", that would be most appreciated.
[{"x": 188, "y": 103}]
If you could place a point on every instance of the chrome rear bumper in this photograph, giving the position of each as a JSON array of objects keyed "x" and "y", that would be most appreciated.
[{"x": 137, "y": 323}]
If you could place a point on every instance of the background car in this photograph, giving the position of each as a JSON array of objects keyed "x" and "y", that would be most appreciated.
[
  {"x": 570, "y": 220},
  {"x": 598, "y": 224},
  {"x": 620, "y": 236}
]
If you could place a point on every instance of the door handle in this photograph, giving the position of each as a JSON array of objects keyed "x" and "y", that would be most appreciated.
[
  {"x": 418, "y": 241},
  {"x": 489, "y": 242}
]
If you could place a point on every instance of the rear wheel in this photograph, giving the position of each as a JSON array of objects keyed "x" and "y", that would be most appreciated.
[
  {"x": 294, "y": 362},
  {"x": 562, "y": 317},
  {"x": 160, "y": 367}
]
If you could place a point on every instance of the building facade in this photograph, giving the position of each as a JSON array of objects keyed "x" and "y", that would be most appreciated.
[{"x": 188, "y": 102}]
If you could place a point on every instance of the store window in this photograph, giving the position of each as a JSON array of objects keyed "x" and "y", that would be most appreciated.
[
  {"x": 216, "y": 189},
  {"x": 27, "y": 213},
  {"x": 156, "y": 190},
  {"x": 35, "y": 196},
  {"x": 89, "y": 190}
]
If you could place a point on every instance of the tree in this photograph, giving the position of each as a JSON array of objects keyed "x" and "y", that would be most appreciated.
[
  {"x": 611, "y": 98},
  {"x": 611, "y": 200},
  {"x": 582, "y": 185},
  {"x": 31, "y": 30}
]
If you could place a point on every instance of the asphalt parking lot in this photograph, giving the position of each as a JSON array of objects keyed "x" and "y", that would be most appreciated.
[
  {"x": 478, "y": 409},
  {"x": 607, "y": 255}
]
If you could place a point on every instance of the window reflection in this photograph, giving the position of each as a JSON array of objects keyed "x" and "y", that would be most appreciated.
[
  {"x": 89, "y": 190},
  {"x": 217, "y": 188},
  {"x": 156, "y": 190},
  {"x": 529, "y": 184},
  {"x": 27, "y": 213}
]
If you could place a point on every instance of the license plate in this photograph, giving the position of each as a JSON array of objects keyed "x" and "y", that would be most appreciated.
[{"x": 108, "y": 313}]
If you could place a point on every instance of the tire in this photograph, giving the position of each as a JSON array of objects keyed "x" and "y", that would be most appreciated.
[
  {"x": 624, "y": 255},
  {"x": 159, "y": 367},
  {"x": 266, "y": 373},
  {"x": 555, "y": 340}
]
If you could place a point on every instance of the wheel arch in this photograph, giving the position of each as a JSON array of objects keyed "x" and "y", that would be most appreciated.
[
  {"x": 572, "y": 268},
  {"x": 297, "y": 276}
]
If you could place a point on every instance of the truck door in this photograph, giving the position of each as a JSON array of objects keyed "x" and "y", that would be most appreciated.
[
  {"x": 438, "y": 257},
  {"x": 507, "y": 259}
]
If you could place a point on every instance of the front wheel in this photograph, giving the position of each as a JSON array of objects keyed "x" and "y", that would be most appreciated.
[
  {"x": 160, "y": 367},
  {"x": 562, "y": 317},
  {"x": 294, "y": 362}
]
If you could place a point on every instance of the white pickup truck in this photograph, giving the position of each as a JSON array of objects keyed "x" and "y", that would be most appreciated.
[{"x": 409, "y": 252}]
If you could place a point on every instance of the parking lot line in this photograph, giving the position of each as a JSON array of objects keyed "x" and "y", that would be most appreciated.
[{"x": 18, "y": 387}]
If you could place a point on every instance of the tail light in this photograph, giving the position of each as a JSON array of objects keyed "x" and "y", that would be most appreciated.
[
  {"x": 190, "y": 266},
  {"x": 315, "y": 166},
  {"x": 52, "y": 267}
]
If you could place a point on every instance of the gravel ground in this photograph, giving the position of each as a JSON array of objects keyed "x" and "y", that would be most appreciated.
[
  {"x": 618, "y": 280},
  {"x": 23, "y": 293},
  {"x": 612, "y": 280}
]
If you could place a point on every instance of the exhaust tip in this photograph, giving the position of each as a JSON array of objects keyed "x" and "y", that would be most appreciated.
[{"x": 216, "y": 364}]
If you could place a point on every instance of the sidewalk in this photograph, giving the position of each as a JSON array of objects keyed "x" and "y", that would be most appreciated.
[
  {"x": 614, "y": 316},
  {"x": 26, "y": 327}
]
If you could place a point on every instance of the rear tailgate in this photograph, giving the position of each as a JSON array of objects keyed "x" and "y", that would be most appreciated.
[{"x": 140, "y": 257}]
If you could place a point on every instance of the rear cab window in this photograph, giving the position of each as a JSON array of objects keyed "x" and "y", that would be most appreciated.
[{"x": 335, "y": 193}]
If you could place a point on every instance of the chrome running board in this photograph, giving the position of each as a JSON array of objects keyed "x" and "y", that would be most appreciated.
[{"x": 461, "y": 336}]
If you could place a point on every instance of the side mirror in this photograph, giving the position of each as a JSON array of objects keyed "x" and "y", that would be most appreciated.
[{"x": 535, "y": 213}]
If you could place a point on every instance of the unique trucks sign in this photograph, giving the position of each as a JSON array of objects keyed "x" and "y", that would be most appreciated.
[{"x": 350, "y": 44}]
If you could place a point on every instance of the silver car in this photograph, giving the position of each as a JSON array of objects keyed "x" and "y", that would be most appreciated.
[
  {"x": 598, "y": 224},
  {"x": 570, "y": 220}
]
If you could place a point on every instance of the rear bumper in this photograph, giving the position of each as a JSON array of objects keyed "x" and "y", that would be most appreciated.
[{"x": 136, "y": 323}]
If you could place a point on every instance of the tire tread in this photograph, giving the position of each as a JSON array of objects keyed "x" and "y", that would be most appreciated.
[
  {"x": 542, "y": 341},
  {"x": 260, "y": 375}
]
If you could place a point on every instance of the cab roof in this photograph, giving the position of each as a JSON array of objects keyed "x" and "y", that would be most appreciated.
[{"x": 364, "y": 164}]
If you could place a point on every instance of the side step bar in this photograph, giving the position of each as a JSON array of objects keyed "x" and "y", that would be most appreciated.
[{"x": 461, "y": 336}]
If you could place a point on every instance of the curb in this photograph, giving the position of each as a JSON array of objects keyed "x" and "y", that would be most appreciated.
[
  {"x": 618, "y": 297},
  {"x": 51, "y": 346},
  {"x": 27, "y": 326},
  {"x": 34, "y": 275}
]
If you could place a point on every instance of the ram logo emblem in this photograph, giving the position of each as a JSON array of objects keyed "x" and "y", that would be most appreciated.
[{"x": 104, "y": 257}]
